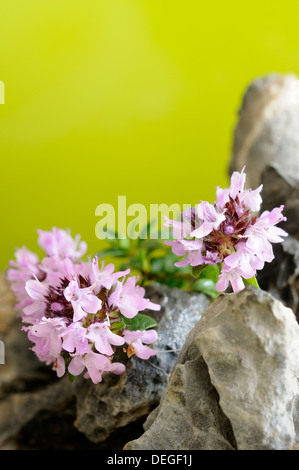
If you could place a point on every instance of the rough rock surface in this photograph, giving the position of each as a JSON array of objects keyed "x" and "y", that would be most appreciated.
[
  {"x": 277, "y": 191},
  {"x": 245, "y": 349},
  {"x": 120, "y": 400},
  {"x": 266, "y": 140},
  {"x": 281, "y": 276},
  {"x": 38, "y": 410},
  {"x": 267, "y": 129}
]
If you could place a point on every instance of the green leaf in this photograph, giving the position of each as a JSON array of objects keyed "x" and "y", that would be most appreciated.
[
  {"x": 150, "y": 245},
  {"x": 124, "y": 243},
  {"x": 117, "y": 252},
  {"x": 72, "y": 378},
  {"x": 211, "y": 271},
  {"x": 251, "y": 282},
  {"x": 196, "y": 270},
  {"x": 119, "y": 325},
  {"x": 207, "y": 286},
  {"x": 139, "y": 322}
]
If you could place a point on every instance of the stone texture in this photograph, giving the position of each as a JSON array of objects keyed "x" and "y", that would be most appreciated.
[
  {"x": 235, "y": 383},
  {"x": 118, "y": 401},
  {"x": 40, "y": 411},
  {"x": 281, "y": 277},
  {"x": 277, "y": 191},
  {"x": 267, "y": 129}
]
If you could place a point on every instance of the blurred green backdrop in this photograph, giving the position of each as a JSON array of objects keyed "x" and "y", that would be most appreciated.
[{"x": 124, "y": 97}]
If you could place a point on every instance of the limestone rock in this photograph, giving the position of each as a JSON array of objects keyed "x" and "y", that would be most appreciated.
[
  {"x": 235, "y": 383},
  {"x": 277, "y": 191},
  {"x": 118, "y": 401},
  {"x": 281, "y": 277},
  {"x": 267, "y": 129}
]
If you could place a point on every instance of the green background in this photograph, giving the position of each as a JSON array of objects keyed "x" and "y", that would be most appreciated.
[{"x": 124, "y": 97}]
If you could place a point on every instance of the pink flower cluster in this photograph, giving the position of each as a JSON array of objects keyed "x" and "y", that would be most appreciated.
[
  {"x": 229, "y": 233},
  {"x": 75, "y": 311}
]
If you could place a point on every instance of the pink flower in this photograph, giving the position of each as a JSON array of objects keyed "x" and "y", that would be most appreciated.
[
  {"x": 129, "y": 298},
  {"x": 261, "y": 234},
  {"x": 83, "y": 300},
  {"x": 96, "y": 364},
  {"x": 211, "y": 219},
  {"x": 73, "y": 309},
  {"x": 45, "y": 335},
  {"x": 59, "y": 366},
  {"x": 36, "y": 290},
  {"x": 236, "y": 267},
  {"x": 24, "y": 268},
  {"x": 230, "y": 233},
  {"x": 56, "y": 268},
  {"x": 105, "y": 276},
  {"x": 75, "y": 339},
  {"x": 179, "y": 229},
  {"x": 58, "y": 242},
  {"x": 248, "y": 198},
  {"x": 135, "y": 340},
  {"x": 102, "y": 337}
]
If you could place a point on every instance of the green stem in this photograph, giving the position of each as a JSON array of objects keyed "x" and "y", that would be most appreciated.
[{"x": 251, "y": 282}]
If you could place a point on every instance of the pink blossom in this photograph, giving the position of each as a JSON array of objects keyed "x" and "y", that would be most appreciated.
[
  {"x": 72, "y": 310},
  {"x": 58, "y": 242},
  {"x": 129, "y": 298},
  {"x": 36, "y": 290},
  {"x": 83, "y": 300},
  {"x": 24, "y": 268},
  {"x": 211, "y": 219},
  {"x": 45, "y": 335},
  {"x": 135, "y": 340},
  {"x": 230, "y": 233},
  {"x": 75, "y": 339},
  {"x": 59, "y": 366},
  {"x": 96, "y": 364},
  {"x": 102, "y": 337},
  {"x": 264, "y": 232},
  {"x": 105, "y": 276},
  {"x": 179, "y": 229}
]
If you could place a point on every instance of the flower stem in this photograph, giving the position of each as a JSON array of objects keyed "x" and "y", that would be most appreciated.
[{"x": 251, "y": 282}]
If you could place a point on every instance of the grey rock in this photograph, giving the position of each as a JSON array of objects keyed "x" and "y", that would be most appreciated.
[
  {"x": 235, "y": 383},
  {"x": 281, "y": 276},
  {"x": 277, "y": 191},
  {"x": 267, "y": 129},
  {"x": 119, "y": 401}
]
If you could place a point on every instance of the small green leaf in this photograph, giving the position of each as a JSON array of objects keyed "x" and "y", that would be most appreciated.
[
  {"x": 207, "y": 286},
  {"x": 124, "y": 243},
  {"x": 251, "y": 282},
  {"x": 211, "y": 272},
  {"x": 196, "y": 270},
  {"x": 119, "y": 325},
  {"x": 72, "y": 378},
  {"x": 117, "y": 252},
  {"x": 139, "y": 322}
]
